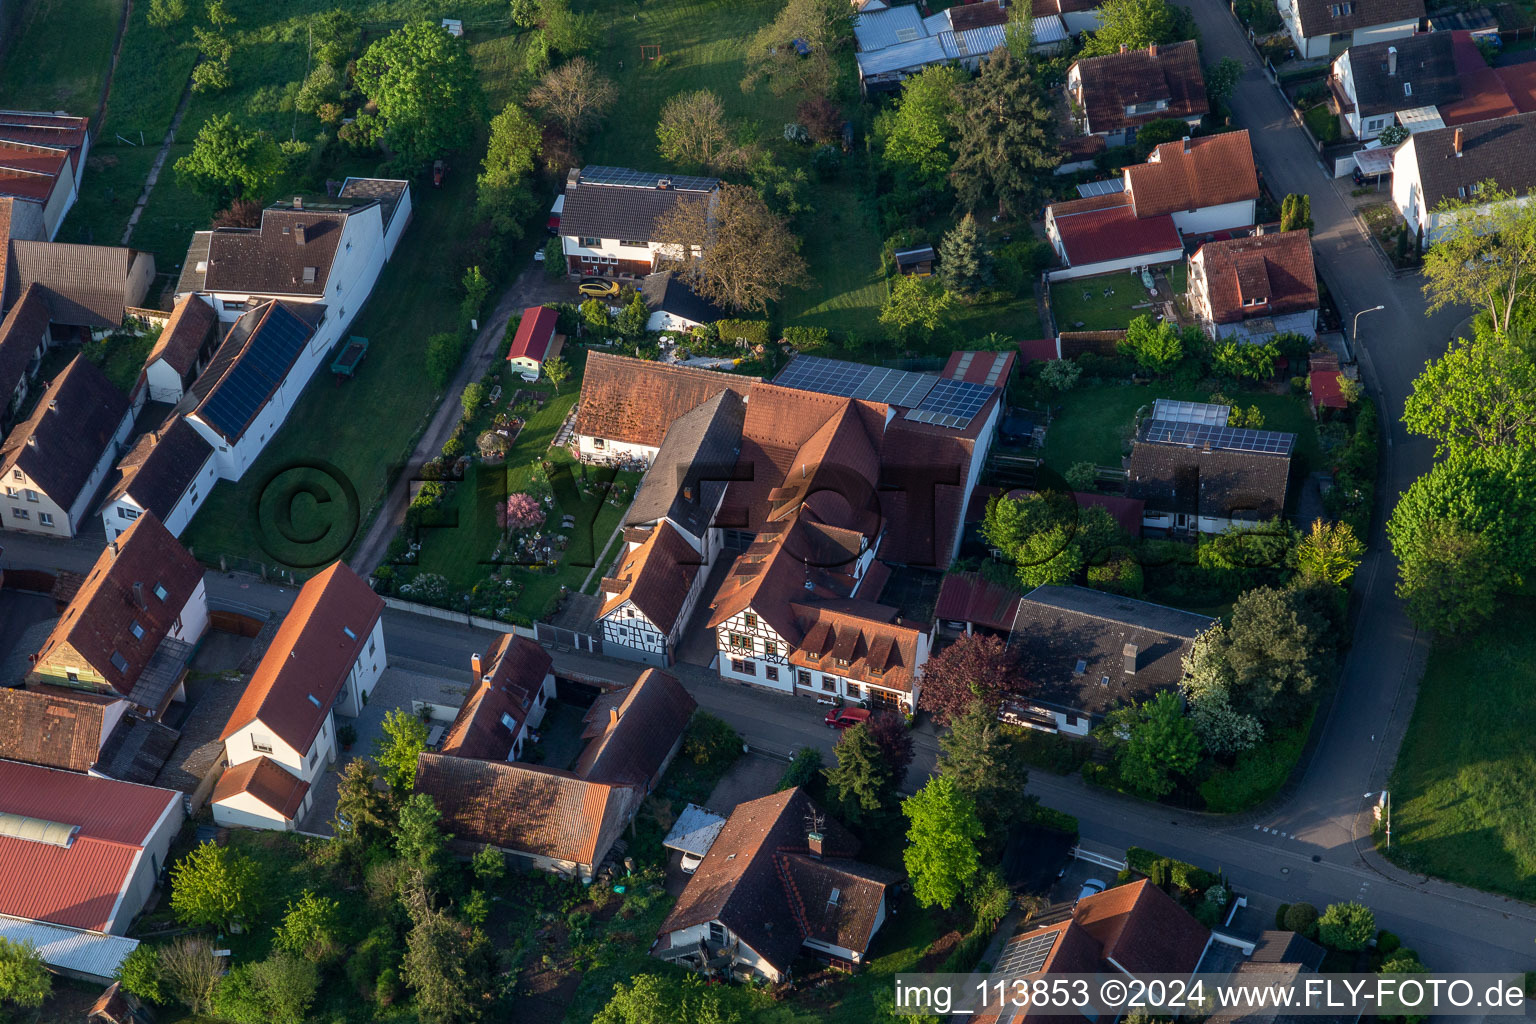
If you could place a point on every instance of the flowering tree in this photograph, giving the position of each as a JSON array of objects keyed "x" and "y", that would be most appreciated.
[{"x": 524, "y": 512}]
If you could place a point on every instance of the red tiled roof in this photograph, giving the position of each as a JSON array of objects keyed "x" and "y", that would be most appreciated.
[
  {"x": 858, "y": 640},
  {"x": 79, "y": 885},
  {"x": 29, "y": 172},
  {"x": 53, "y": 726},
  {"x": 1034, "y": 349},
  {"x": 1326, "y": 393},
  {"x": 980, "y": 367},
  {"x": 657, "y": 577},
  {"x": 971, "y": 597},
  {"x": 41, "y": 128},
  {"x": 1273, "y": 271},
  {"x": 515, "y": 671},
  {"x": 99, "y": 622},
  {"x": 267, "y": 781},
  {"x": 635, "y": 401},
  {"x": 184, "y": 334},
  {"x": 1093, "y": 230},
  {"x": 533, "y": 334},
  {"x": 1142, "y": 929},
  {"x": 1519, "y": 80},
  {"x": 303, "y": 670},
  {"x": 1193, "y": 174}
]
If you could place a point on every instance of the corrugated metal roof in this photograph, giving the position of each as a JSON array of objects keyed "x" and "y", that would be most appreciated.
[
  {"x": 694, "y": 831},
  {"x": 882, "y": 29},
  {"x": 1049, "y": 29},
  {"x": 974, "y": 42},
  {"x": 71, "y": 949},
  {"x": 905, "y": 57}
]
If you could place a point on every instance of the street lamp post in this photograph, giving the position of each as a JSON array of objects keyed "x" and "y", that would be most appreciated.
[{"x": 1354, "y": 336}]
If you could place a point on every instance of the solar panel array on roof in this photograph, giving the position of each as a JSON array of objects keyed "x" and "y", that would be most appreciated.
[
  {"x": 1232, "y": 439},
  {"x": 952, "y": 403},
  {"x": 628, "y": 178},
  {"x": 1027, "y": 955},
  {"x": 268, "y": 355},
  {"x": 1170, "y": 411},
  {"x": 1101, "y": 188},
  {"x": 855, "y": 380}
]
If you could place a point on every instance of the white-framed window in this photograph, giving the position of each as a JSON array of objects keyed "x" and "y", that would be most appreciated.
[
  {"x": 20, "y": 513},
  {"x": 11, "y": 492},
  {"x": 129, "y": 514},
  {"x": 31, "y": 495},
  {"x": 261, "y": 743},
  {"x": 590, "y": 242},
  {"x": 44, "y": 519}
]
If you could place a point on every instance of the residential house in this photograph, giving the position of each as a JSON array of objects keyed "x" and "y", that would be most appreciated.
[
  {"x": 79, "y": 731},
  {"x": 1134, "y": 929},
  {"x": 1187, "y": 189},
  {"x": 1254, "y": 288},
  {"x": 1324, "y": 28},
  {"x": 565, "y": 821},
  {"x": 674, "y": 306},
  {"x": 671, "y": 533},
  {"x": 779, "y": 882},
  {"x": 183, "y": 350},
  {"x": 1087, "y": 652},
  {"x": 169, "y": 472},
  {"x": 968, "y": 601},
  {"x": 134, "y": 623},
  {"x": 1280, "y": 958},
  {"x": 896, "y": 42},
  {"x": 1196, "y": 474},
  {"x": 628, "y": 404},
  {"x": 24, "y": 338},
  {"x": 1452, "y": 163},
  {"x": 88, "y": 287},
  {"x": 1113, "y": 96},
  {"x": 42, "y": 162},
  {"x": 508, "y": 699},
  {"x": 326, "y": 656},
  {"x": 54, "y": 461},
  {"x": 245, "y": 394},
  {"x": 608, "y": 225},
  {"x": 82, "y": 856},
  {"x": 534, "y": 342}
]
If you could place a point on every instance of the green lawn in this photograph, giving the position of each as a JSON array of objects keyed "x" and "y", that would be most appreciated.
[
  {"x": 60, "y": 54},
  {"x": 1083, "y": 300},
  {"x": 1462, "y": 803},
  {"x": 1095, "y": 422}
]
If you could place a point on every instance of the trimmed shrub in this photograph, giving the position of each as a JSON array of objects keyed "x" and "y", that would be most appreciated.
[
  {"x": 1301, "y": 918},
  {"x": 750, "y": 332}
]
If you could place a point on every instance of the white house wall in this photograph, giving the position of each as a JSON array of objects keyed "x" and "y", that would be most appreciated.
[
  {"x": 364, "y": 674},
  {"x": 1383, "y": 33},
  {"x": 244, "y": 811},
  {"x": 181, "y": 514},
  {"x": 589, "y": 449},
  {"x": 146, "y": 869},
  {"x": 1110, "y": 266},
  {"x": 1215, "y": 218},
  {"x": 192, "y": 623},
  {"x": 59, "y": 200},
  {"x": 238, "y": 749}
]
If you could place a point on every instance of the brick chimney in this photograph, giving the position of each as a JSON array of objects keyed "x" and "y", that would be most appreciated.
[
  {"x": 613, "y": 718},
  {"x": 1152, "y": 50},
  {"x": 298, "y": 234},
  {"x": 1131, "y": 651},
  {"x": 1391, "y": 60},
  {"x": 138, "y": 595},
  {"x": 814, "y": 840},
  {"x": 474, "y": 669},
  {"x": 1124, "y": 48},
  {"x": 113, "y": 545},
  {"x": 1456, "y": 141},
  {"x": 298, "y": 202}
]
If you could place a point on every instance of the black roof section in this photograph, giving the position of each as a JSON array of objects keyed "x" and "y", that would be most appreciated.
[
  {"x": 618, "y": 203},
  {"x": 692, "y": 467},
  {"x": 252, "y": 363},
  {"x": 663, "y": 291}
]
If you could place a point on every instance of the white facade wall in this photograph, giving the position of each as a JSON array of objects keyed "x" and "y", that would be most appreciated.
[
  {"x": 661, "y": 320},
  {"x": 1215, "y": 218},
  {"x": 25, "y": 505},
  {"x": 60, "y": 199},
  {"x": 611, "y": 249},
  {"x": 746, "y": 956},
  {"x": 1110, "y": 266},
  {"x": 244, "y": 811},
  {"x": 766, "y": 650},
  {"x": 397, "y": 224},
  {"x": 118, "y": 515},
  {"x": 192, "y": 622},
  {"x": 164, "y": 382},
  {"x": 145, "y": 873},
  {"x": 598, "y": 449},
  {"x": 364, "y": 674},
  {"x": 240, "y": 748}
]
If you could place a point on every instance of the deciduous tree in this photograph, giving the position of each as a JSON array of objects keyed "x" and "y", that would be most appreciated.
[
  {"x": 732, "y": 249},
  {"x": 142, "y": 974},
  {"x": 426, "y": 90},
  {"x": 278, "y": 990},
  {"x": 941, "y": 855},
  {"x": 917, "y": 135},
  {"x": 1484, "y": 255},
  {"x": 915, "y": 307},
  {"x": 214, "y": 886},
  {"x": 1346, "y": 926},
  {"x": 575, "y": 96},
  {"x": 504, "y": 190},
  {"x": 1048, "y": 536},
  {"x": 165, "y": 13},
  {"x": 1221, "y": 80},
  {"x": 985, "y": 765},
  {"x": 1278, "y": 649},
  {"x": 24, "y": 978},
  {"x": 797, "y": 51},
  {"x": 557, "y": 371},
  {"x": 230, "y": 162},
  {"x": 1007, "y": 138},
  {"x": 693, "y": 129},
  {"x": 566, "y": 31},
  {"x": 191, "y": 971},
  {"x": 1330, "y": 553},
  {"x": 1480, "y": 394},
  {"x": 419, "y": 839},
  {"x": 1136, "y": 25},
  {"x": 311, "y": 928},
  {"x": 1153, "y": 743},
  {"x": 405, "y": 736},
  {"x": 1157, "y": 346},
  {"x": 976, "y": 668},
  {"x": 890, "y": 732}
]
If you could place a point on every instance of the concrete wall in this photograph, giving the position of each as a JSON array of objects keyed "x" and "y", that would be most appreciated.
[
  {"x": 1215, "y": 218},
  {"x": 1111, "y": 266},
  {"x": 145, "y": 873}
]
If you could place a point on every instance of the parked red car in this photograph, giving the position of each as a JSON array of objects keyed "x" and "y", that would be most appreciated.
[{"x": 846, "y": 718}]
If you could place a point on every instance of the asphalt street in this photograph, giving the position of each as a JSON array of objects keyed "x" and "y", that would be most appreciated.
[{"x": 1312, "y": 845}]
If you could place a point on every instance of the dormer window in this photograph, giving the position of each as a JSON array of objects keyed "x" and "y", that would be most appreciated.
[
  {"x": 119, "y": 662},
  {"x": 137, "y": 630},
  {"x": 160, "y": 591}
]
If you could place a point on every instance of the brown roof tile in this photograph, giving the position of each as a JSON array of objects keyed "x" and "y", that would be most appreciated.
[
  {"x": 859, "y": 640},
  {"x": 42, "y": 128},
  {"x": 99, "y": 622},
  {"x": 1194, "y": 173},
  {"x": 657, "y": 577},
  {"x": 1221, "y": 482},
  {"x": 29, "y": 172},
  {"x": 73, "y": 424},
  {"x": 52, "y": 726},
  {"x": 1117, "y": 81},
  {"x": 86, "y": 285},
  {"x": 160, "y": 466},
  {"x": 1316, "y": 16},
  {"x": 1142, "y": 929},
  {"x": 192, "y": 322},
  {"x": 971, "y": 597},
  {"x": 22, "y": 330},
  {"x": 309, "y": 659},
  {"x": 1500, "y": 149},
  {"x": 1275, "y": 271},
  {"x": 514, "y": 676},
  {"x": 271, "y": 259},
  {"x": 637, "y": 735},
  {"x": 267, "y": 781},
  {"x": 526, "y": 807},
  {"x": 635, "y": 401}
]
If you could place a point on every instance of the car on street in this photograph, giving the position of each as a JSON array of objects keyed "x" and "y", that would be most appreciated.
[
  {"x": 1092, "y": 887},
  {"x": 846, "y": 718},
  {"x": 596, "y": 289}
]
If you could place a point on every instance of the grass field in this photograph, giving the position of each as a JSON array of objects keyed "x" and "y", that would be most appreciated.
[
  {"x": 1462, "y": 803},
  {"x": 1095, "y": 422},
  {"x": 60, "y": 55},
  {"x": 1083, "y": 301}
]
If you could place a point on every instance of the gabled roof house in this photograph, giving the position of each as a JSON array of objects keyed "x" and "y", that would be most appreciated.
[
  {"x": 53, "y": 462},
  {"x": 1113, "y": 96},
  {"x": 508, "y": 699},
  {"x": 1453, "y": 163},
  {"x": 779, "y": 881},
  {"x": 24, "y": 338},
  {"x": 42, "y": 162},
  {"x": 608, "y": 225},
  {"x": 534, "y": 342},
  {"x": 1255, "y": 288},
  {"x": 627, "y": 405},
  {"x": 184, "y": 347},
  {"x": 1322, "y": 28},
  {"x": 168, "y": 472},
  {"x": 80, "y": 731}
]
